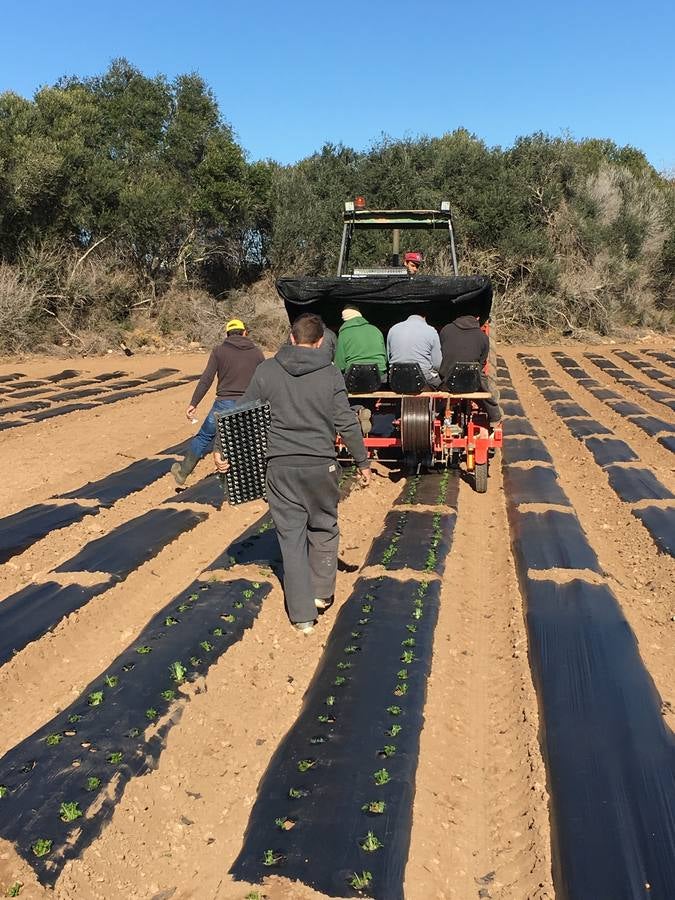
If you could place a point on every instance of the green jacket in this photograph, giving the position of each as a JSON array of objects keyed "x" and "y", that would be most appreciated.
[{"x": 360, "y": 342}]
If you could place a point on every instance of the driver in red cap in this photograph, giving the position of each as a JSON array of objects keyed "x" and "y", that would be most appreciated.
[{"x": 412, "y": 261}]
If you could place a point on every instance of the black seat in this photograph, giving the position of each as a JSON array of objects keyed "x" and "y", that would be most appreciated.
[
  {"x": 363, "y": 378},
  {"x": 406, "y": 378},
  {"x": 464, "y": 378}
]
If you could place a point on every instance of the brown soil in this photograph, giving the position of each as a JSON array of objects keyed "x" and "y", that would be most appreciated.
[{"x": 481, "y": 807}]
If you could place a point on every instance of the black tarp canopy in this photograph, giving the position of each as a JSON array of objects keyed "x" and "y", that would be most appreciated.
[{"x": 385, "y": 300}]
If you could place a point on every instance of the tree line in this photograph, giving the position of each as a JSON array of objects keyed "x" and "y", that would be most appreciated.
[{"x": 124, "y": 196}]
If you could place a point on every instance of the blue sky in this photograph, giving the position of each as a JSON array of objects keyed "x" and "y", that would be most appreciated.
[{"x": 291, "y": 76}]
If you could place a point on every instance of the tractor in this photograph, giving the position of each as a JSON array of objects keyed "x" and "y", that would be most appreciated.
[{"x": 425, "y": 427}]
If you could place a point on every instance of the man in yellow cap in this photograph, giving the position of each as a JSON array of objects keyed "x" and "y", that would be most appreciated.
[{"x": 234, "y": 362}]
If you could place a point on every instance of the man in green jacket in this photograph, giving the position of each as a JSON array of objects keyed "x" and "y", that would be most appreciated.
[{"x": 359, "y": 342}]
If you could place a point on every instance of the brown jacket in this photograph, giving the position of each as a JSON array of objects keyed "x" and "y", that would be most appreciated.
[{"x": 234, "y": 361}]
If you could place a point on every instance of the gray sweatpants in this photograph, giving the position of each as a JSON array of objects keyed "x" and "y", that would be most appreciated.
[{"x": 303, "y": 502}]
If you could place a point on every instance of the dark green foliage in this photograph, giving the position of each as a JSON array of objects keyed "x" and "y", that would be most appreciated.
[{"x": 145, "y": 177}]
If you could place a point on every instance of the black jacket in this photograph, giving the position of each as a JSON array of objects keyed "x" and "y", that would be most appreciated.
[
  {"x": 309, "y": 404},
  {"x": 463, "y": 341}
]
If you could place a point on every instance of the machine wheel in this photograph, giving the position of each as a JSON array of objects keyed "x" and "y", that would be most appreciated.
[
  {"x": 480, "y": 474},
  {"x": 416, "y": 425}
]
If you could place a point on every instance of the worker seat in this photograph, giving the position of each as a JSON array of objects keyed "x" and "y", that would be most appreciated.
[
  {"x": 406, "y": 378},
  {"x": 363, "y": 378},
  {"x": 464, "y": 378}
]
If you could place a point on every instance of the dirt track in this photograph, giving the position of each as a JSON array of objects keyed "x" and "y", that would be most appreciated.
[{"x": 480, "y": 823}]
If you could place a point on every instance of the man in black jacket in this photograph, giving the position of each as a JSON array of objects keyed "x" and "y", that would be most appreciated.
[
  {"x": 309, "y": 404},
  {"x": 463, "y": 340},
  {"x": 234, "y": 362}
]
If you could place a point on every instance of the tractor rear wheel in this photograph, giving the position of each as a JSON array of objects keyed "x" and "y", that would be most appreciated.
[{"x": 480, "y": 474}]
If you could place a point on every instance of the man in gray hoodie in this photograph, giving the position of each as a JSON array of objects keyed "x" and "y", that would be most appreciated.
[{"x": 309, "y": 405}]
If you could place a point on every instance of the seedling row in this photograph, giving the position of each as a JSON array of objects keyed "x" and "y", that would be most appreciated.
[{"x": 82, "y": 759}]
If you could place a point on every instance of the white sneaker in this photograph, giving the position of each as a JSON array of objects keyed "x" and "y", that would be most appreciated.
[
  {"x": 323, "y": 604},
  {"x": 304, "y": 627}
]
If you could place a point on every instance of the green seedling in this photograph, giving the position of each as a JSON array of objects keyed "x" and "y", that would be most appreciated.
[
  {"x": 42, "y": 846},
  {"x": 318, "y": 739},
  {"x": 371, "y": 842},
  {"x": 330, "y": 701},
  {"x": 206, "y": 646},
  {"x": 194, "y": 596},
  {"x": 15, "y": 889},
  {"x": 284, "y": 823},
  {"x": 367, "y": 608},
  {"x": 195, "y": 661},
  {"x": 357, "y": 634},
  {"x": 4, "y": 791},
  {"x": 93, "y": 783},
  {"x": 411, "y": 628},
  {"x": 143, "y": 649},
  {"x": 111, "y": 680},
  {"x": 344, "y": 665},
  {"x": 408, "y": 642},
  {"x": 53, "y": 740},
  {"x": 133, "y": 732},
  {"x": 255, "y": 585},
  {"x": 170, "y": 621},
  {"x": 394, "y": 710},
  {"x": 360, "y": 881},
  {"x": 151, "y": 713},
  {"x": 339, "y": 680},
  {"x": 297, "y": 793},
  {"x": 178, "y": 671},
  {"x": 325, "y": 719},
  {"x": 417, "y": 614},
  {"x": 395, "y": 730},
  {"x": 351, "y": 649},
  {"x": 364, "y": 621},
  {"x": 183, "y": 607},
  {"x": 376, "y": 807},
  {"x": 407, "y": 657},
  {"x": 247, "y": 594},
  {"x": 306, "y": 764},
  {"x": 218, "y": 632},
  {"x": 387, "y": 751},
  {"x": 115, "y": 758},
  {"x": 168, "y": 694},
  {"x": 402, "y": 674},
  {"x": 238, "y": 604},
  {"x": 74, "y": 718},
  {"x": 95, "y": 698},
  {"x": 254, "y": 895},
  {"x": 69, "y": 812},
  {"x": 270, "y": 858},
  {"x": 228, "y": 618},
  {"x": 128, "y": 667},
  {"x": 381, "y": 777},
  {"x": 401, "y": 690}
]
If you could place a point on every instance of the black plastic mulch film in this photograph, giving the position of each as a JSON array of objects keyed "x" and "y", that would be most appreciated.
[
  {"x": 666, "y": 398},
  {"x": 647, "y": 368},
  {"x": 22, "y": 529},
  {"x": 336, "y": 799},
  {"x": 413, "y": 540},
  {"x": 34, "y": 610},
  {"x": 133, "y": 543},
  {"x": 630, "y": 483},
  {"x": 359, "y": 726},
  {"x": 610, "y": 757},
  {"x": 84, "y": 757},
  {"x": 132, "y": 478}
]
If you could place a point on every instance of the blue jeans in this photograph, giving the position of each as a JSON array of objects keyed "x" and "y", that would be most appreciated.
[{"x": 202, "y": 442}]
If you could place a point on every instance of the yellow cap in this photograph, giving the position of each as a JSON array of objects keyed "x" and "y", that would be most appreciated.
[{"x": 234, "y": 325}]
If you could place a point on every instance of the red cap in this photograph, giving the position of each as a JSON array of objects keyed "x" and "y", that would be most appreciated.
[{"x": 413, "y": 257}]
